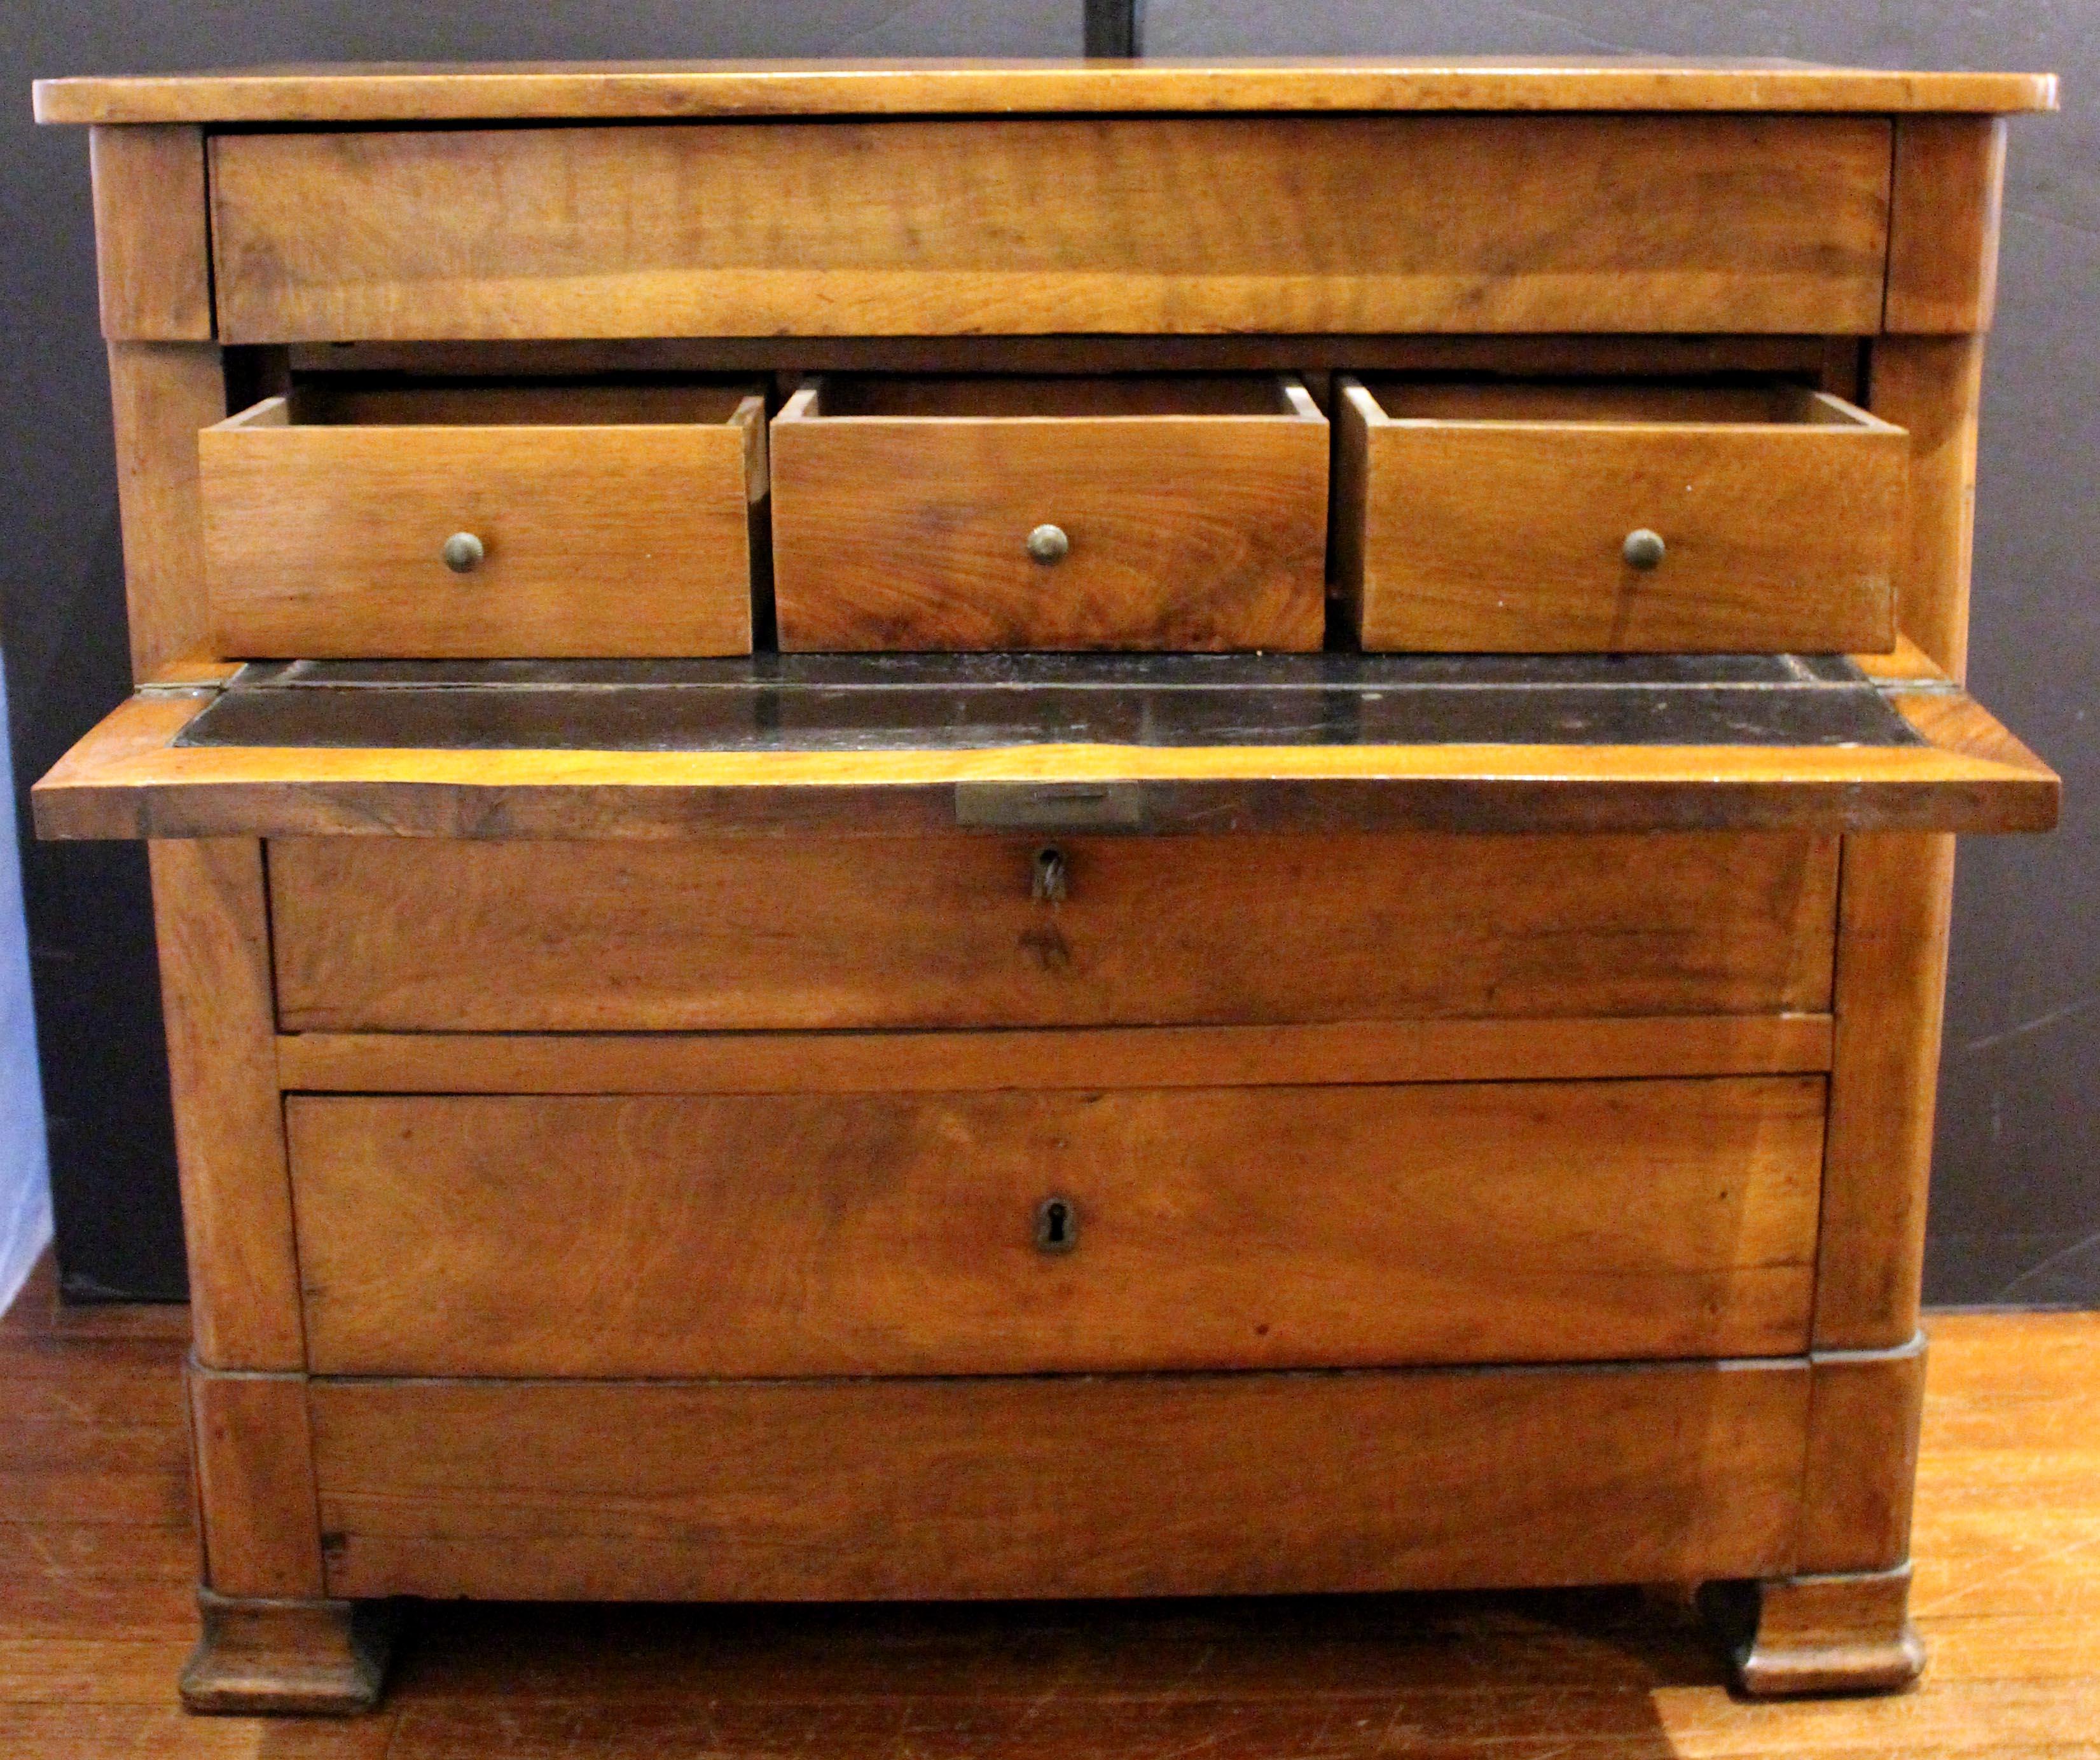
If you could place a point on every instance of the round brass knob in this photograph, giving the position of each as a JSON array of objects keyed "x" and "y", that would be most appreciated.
[
  {"x": 1643, "y": 548},
  {"x": 1048, "y": 544},
  {"x": 463, "y": 553}
]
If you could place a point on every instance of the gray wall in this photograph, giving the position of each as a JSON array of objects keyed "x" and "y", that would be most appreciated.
[{"x": 2017, "y": 1194}]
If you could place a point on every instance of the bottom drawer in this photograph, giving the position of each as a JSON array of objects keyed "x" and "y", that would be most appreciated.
[
  {"x": 1064, "y": 1485},
  {"x": 813, "y": 1234}
]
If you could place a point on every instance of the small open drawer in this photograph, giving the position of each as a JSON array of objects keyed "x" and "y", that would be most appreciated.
[
  {"x": 577, "y": 521},
  {"x": 958, "y": 512},
  {"x": 1515, "y": 517}
]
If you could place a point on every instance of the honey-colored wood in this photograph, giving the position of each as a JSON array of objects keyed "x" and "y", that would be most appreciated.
[
  {"x": 151, "y": 254},
  {"x": 1256, "y": 1228},
  {"x": 1268, "y": 351},
  {"x": 1906, "y": 663},
  {"x": 286, "y": 1657},
  {"x": 553, "y": 90},
  {"x": 1863, "y": 1431},
  {"x": 1113, "y": 1485},
  {"x": 1196, "y": 511},
  {"x": 1492, "y": 517},
  {"x": 413, "y": 934},
  {"x": 98, "y": 1611},
  {"x": 1842, "y": 1634},
  {"x": 1587, "y": 1047},
  {"x": 210, "y": 918},
  {"x": 160, "y": 394},
  {"x": 1894, "y": 899},
  {"x": 1945, "y": 200},
  {"x": 1932, "y": 387},
  {"x": 255, "y": 1485},
  {"x": 615, "y": 523},
  {"x": 1171, "y": 223},
  {"x": 126, "y": 779}
]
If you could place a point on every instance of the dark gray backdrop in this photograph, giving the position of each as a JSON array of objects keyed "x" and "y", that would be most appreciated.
[{"x": 2016, "y": 1195}]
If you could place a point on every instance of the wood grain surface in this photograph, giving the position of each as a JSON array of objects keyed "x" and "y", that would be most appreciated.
[
  {"x": 1015, "y": 1059},
  {"x": 211, "y": 924},
  {"x": 613, "y": 526},
  {"x": 1493, "y": 516},
  {"x": 160, "y": 394},
  {"x": 99, "y": 1560},
  {"x": 254, "y": 1484},
  {"x": 1259, "y": 1227},
  {"x": 152, "y": 257},
  {"x": 1194, "y": 521},
  {"x": 1063, "y": 1485},
  {"x": 1895, "y": 906},
  {"x": 552, "y": 90},
  {"x": 1945, "y": 203},
  {"x": 412, "y": 934},
  {"x": 1174, "y": 224}
]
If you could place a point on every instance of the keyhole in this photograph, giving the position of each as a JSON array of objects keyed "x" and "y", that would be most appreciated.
[
  {"x": 1053, "y": 880},
  {"x": 1056, "y": 1225}
]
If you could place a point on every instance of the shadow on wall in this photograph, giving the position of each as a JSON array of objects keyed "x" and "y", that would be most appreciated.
[{"x": 25, "y": 1195}]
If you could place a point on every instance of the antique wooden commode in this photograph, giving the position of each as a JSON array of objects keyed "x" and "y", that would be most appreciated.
[{"x": 1395, "y": 1048}]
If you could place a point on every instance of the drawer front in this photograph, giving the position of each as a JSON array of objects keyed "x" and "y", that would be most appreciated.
[
  {"x": 1060, "y": 1485},
  {"x": 1600, "y": 519},
  {"x": 1017, "y": 1232},
  {"x": 592, "y": 537},
  {"x": 410, "y": 933},
  {"x": 931, "y": 526},
  {"x": 1372, "y": 224}
]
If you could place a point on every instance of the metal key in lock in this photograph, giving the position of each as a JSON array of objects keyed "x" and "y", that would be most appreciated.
[{"x": 1052, "y": 879}]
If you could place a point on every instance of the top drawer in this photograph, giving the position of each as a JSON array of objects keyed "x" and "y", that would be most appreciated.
[
  {"x": 1578, "y": 516},
  {"x": 1050, "y": 225},
  {"x": 481, "y": 523}
]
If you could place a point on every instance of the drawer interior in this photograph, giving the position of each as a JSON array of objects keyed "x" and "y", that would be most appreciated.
[
  {"x": 974, "y": 396},
  {"x": 1738, "y": 404},
  {"x": 349, "y": 401}
]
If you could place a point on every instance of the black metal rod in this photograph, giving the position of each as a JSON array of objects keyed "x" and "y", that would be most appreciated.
[{"x": 1115, "y": 27}]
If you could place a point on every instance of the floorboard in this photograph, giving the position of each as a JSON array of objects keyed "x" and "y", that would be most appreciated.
[{"x": 97, "y": 1560}]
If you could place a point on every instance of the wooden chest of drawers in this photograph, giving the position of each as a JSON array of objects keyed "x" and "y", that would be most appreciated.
[{"x": 1093, "y": 829}]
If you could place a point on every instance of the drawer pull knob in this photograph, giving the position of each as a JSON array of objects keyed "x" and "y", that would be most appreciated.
[
  {"x": 1048, "y": 545},
  {"x": 1643, "y": 548},
  {"x": 1052, "y": 879},
  {"x": 463, "y": 553},
  {"x": 1056, "y": 1225}
]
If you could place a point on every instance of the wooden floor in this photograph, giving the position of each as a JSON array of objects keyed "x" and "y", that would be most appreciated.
[{"x": 97, "y": 1560}]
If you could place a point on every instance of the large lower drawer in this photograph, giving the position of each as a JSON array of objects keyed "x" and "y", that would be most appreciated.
[
  {"x": 986, "y": 1233},
  {"x": 408, "y": 934},
  {"x": 1064, "y": 1485}
]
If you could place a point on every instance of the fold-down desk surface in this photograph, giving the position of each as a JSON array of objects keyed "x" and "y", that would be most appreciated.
[{"x": 1140, "y": 744}]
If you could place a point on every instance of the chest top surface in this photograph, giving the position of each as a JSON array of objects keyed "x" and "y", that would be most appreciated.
[{"x": 553, "y": 90}]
